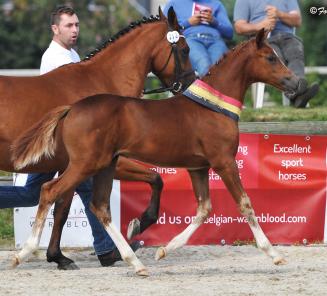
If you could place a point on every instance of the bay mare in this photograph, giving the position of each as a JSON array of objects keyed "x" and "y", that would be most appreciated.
[
  {"x": 120, "y": 67},
  {"x": 177, "y": 132}
]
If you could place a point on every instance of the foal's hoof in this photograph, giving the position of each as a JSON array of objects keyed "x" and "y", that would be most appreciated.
[
  {"x": 15, "y": 261},
  {"x": 161, "y": 253},
  {"x": 68, "y": 266},
  {"x": 279, "y": 261},
  {"x": 142, "y": 273},
  {"x": 134, "y": 228}
]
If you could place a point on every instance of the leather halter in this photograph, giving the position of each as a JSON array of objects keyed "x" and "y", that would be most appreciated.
[{"x": 177, "y": 85}]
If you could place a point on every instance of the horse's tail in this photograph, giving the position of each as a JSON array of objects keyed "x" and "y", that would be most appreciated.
[{"x": 39, "y": 140}]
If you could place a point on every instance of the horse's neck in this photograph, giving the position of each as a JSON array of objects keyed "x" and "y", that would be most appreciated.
[
  {"x": 126, "y": 60},
  {"x": 230, "y": 77}
]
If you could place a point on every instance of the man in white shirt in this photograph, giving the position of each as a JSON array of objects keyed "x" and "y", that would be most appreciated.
[{"x": 65, "y": 27}]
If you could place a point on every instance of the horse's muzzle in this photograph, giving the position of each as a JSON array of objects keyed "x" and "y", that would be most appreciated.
[{"x": 293, "y": 85}]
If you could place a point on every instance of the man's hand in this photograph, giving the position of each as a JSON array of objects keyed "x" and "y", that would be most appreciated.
[
  {"x": 272, "y": 11},
  {"x": 268, "y": 24}
]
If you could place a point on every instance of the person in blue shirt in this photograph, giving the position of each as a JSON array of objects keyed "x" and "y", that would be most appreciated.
[
  {"x": 280, "y": 18},
  {"x": 205, "y": 25}
]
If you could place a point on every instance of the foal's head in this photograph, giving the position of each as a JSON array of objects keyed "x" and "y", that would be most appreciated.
[
  {"x": 265, "y": 66},
  {"x": 171, "y": 62}
]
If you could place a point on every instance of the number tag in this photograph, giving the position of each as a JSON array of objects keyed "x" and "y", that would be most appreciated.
[{"x": 173, "y": 37}]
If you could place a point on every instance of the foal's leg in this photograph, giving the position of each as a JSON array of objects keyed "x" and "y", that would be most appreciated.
[
  {"x": 230, "y": 176},
  {"x": 200, "y": 184},
  {"x": 54, "y": 254},
  {"x": 132, "y": 171},
  {"x": 50, "y": 192},
  {"x": 100, "y": 205}
]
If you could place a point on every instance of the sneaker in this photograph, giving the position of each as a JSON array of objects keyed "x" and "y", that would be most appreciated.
[
  {"x": 111, "y": 257},
  {"x": 302, "y": 100}
]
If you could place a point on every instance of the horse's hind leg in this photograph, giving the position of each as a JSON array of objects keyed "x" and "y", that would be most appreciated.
[
  {"x": 131, "y": 171},
  {"x": 50, "y": 192},
  {"x": 100, "y": 206},
  {"x": 200, "y": 184},
  {"x": 231, "y": 179},
  {"x": 32, "y": 243},
  {"x": 54, "y": 254}
]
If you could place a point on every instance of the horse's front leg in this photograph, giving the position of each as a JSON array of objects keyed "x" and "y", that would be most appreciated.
[
  {"x": 200, "y": 184},
  {"x": 230, "y": 177},
  {"x": 100, "y": 206},
  {"x": 54, "y": 254},
  {"x": 132, "y": 171}
]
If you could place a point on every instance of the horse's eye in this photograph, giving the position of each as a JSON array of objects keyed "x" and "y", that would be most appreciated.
[{"x": 272, "y": 58}]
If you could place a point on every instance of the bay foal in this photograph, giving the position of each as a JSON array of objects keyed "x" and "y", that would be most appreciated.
[{"x": 197, "y": 130}]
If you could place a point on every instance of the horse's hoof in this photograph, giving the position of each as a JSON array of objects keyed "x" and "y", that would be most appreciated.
[
  {"x": 142, "y": 273},
  {"x": 15, "y": 261},
  {"x": 279, "y": 261},
  {"x": 134, "y": 228},
  {"x": 68, "y": 266},
  {"x": 161, "y": 253}
]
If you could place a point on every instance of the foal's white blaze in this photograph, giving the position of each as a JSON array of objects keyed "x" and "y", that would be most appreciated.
[
  {"x": 182, "y": 238},
  {"x": 262, "y": 241},
  {"x": 125, "y": 250}
]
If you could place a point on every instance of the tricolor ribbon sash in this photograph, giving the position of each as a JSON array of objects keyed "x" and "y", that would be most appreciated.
[{"x": 211, "y": 98}]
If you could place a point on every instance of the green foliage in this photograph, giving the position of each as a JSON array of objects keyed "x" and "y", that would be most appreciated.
[
  {"x": 314, "y": 34},
  {"x": 282, "y": 113},
  {"x": 6, "y": 224}
]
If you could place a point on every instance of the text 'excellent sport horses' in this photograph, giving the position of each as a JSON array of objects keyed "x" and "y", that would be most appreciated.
[
  {"x": 197, "y": 130},
  {"x": 119, "y": 67}
]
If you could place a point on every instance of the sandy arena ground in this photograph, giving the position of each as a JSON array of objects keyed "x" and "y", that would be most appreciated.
[{"x": 191, "y": 270}]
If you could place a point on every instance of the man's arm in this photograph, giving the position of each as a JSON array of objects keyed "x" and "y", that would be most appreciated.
[
  {"x": 242, "y": 27},
  {"x": 291, "y": 18}
]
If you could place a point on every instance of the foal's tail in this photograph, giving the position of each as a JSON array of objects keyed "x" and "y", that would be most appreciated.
[{"x": 39, "y": 140}]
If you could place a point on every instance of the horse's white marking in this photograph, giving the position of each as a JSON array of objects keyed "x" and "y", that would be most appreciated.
[
  {"x": 262, "y": 241},
  {"x": 125, "y": 250},
  {"x": 182, "y": 238},
  {"x": 33, "y": 241}
]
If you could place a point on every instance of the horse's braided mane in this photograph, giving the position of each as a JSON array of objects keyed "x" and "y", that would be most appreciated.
[{"x": 131, "y": 26}]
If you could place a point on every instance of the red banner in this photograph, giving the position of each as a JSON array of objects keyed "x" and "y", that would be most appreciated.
[{"x": 284, "y": 176}]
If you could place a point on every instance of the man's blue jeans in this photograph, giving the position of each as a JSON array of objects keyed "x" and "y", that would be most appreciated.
[
  {"x": 205, "y": 50},
  {"x": 29, "y": 195}
]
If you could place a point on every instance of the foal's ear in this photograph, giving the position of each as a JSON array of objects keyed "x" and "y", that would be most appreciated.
[
  {"x": 172, "y": 19},
  {"x": 260, "y": 38},
  {"x": 161, "y": 15}
]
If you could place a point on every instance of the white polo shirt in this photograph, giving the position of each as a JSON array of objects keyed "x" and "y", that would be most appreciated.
[{"x": 56, "y": 56}]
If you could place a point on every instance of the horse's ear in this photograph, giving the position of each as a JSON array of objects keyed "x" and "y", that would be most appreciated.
[
  {"x": 161, "y": 15},
  {"x": 172, "y": 19},
  {"x": 260, "y": 38}
]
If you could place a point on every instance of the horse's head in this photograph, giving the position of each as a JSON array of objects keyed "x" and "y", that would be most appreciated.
[
  {"x": 170, "y": 61},
  {"x": 266, "y": 66}
]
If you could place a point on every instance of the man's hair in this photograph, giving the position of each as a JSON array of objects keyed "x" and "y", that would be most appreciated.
[{"x": 61, "y": 9}]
